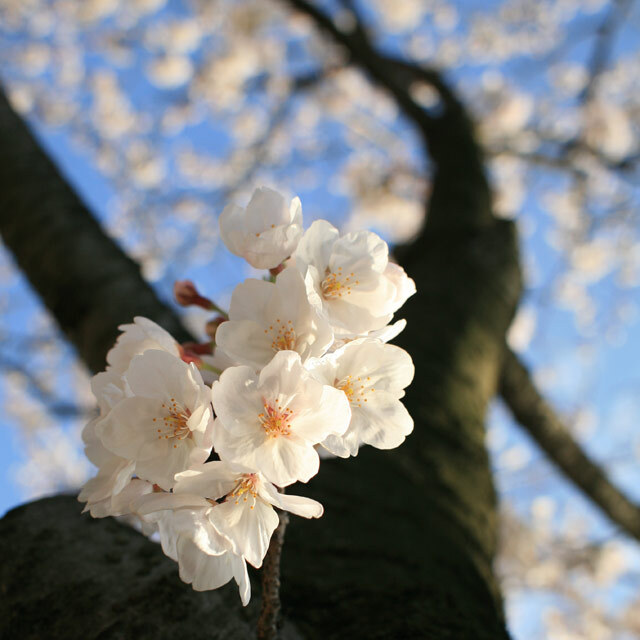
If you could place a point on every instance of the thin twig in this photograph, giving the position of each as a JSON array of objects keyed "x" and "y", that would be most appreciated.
[
  {"x": 601, "y": 54},
  {"x": 269, "y": 621}
]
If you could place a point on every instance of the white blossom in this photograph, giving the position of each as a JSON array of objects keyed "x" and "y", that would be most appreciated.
[
  {"x": 274, "y": 417},
  {"x": 113, "y": 487},
  {"x": 116, "y": 502},
  {"x": 272, "y": 421},
  {"x": 246, "y": 516},
  {"x": 205, "y": 559},
  {"x": 136, "y": 338},
  {"x": 405, "y": 287},
  {"x": 266, "y": 317},
  {"x": 372, "y": 376},
  {"x": 266, "y": 232},
  {"x": 350, "y": 279},
  {"x": 102, "y": 493},
  {"x": 170, "y": 71},
  {"x": 165, "y": 423}
]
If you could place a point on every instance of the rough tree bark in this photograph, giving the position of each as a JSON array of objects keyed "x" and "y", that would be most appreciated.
[{"x": 407, "y": 541}]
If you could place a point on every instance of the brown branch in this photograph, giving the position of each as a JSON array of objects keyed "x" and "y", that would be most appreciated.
[
  {"x": 561, "y": 157},
  {"x": 82, "y": 276},
  {"x": 456, "y": 204},
  {"x": 270, "y": 620},
  {"x": 361, "y": 53},
  {"x": 536, "y": 416}
]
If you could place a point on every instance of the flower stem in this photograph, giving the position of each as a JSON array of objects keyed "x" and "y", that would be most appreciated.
[
  {"x": 210, "y": 367},
  {"x": 214, "y": 307},
  {"x": 269, "y": 621}
]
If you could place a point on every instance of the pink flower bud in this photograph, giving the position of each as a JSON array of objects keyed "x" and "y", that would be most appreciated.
[
  {"x": 191, "y": 352},
  {"x": 201, "y": 348},
  {"x": 187, "y": 295}
]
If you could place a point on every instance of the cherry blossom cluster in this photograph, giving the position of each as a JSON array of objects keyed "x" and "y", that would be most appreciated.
[{"x": 198, "y": 441}]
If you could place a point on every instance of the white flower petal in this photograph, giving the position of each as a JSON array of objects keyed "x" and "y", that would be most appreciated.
[
  {"x": 316, "y": 245},
  {"x": 405, "y": 286},
  {"x": 248, "y": 296},
  {"x": 248, "y": 523},
  {"x": 162, "y": 468},
  {"x": 167, "y": 426},
  {"x": 201, "y": 570},
  {"x": 240, "y": 575},
  {"x": 331, "y": 414},
  {"x": 244, "y": 342},
  {"x": 236, "y": 398},
  {"x": 238, "y": 448},
  {"x": 266, "y": 232},
  {"x": 266, "y": 207},
  {"x": 211, "y": 480},
  {"x": 342, "y": 446},
  {"x": 284, "y": 461},
  {"x": 390, "y": 332},
  {"x": 163, "y": 501},
  {"x": 266, "y": 317},
  {"x": 136, "y": 338},
  {"x": 111, "y": 479},
  {"x": 350, "y": 278},
  {"x": 157, "y": 374},
  {"x": 298, "y": 505},
  {"x": 282, "y": 376},
  {"x": 379, "y": 365},
  {"x": 383, "y": 424},
  {"x": 129, "y": 427},
  {"x": 258, "y": 429}
]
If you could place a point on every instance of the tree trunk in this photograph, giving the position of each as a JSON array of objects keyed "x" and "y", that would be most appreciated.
[{"x": 406, "y": 545}]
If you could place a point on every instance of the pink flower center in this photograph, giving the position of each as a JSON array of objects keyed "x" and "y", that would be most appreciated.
[{"x": 276, "y": 421}]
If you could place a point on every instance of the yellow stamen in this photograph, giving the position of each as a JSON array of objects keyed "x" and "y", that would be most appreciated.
[
  {"x": 174, "y": 422},
  {"x": 357, "y": 395},
  {"x": 335, "y": 285},
  {"x": 276, "y": 420},
  {"x": 245, "y": 488},
  {"x": 283, "y": 336}
]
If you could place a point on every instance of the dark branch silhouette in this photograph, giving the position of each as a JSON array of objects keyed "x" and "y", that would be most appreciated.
[
  {"x": 537, "y": 417},
  {"x": 82, "y": 276}
]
